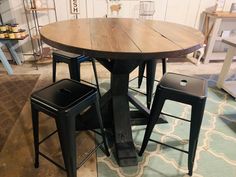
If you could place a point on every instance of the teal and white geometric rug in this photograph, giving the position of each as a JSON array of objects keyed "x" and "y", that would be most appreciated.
[{"x": 216, "y": 152}]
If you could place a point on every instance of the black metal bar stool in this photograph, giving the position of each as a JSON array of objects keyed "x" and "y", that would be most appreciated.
[
  {"x": 73, "y": 61},
  {"x": 184, "y": 89},
  {"x": 150, "y": 77},
  {"x": 64, "y": 100}
]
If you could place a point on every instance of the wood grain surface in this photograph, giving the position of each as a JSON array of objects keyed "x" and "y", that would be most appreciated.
[{"x": 117, "y": 38}]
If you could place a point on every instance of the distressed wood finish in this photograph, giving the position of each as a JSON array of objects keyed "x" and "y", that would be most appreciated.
[
  {"x": 122, "y": 38},
  {"x": 222, "y": 14},
  {"x": 121, "y": 45},
  {"x": 185, "y": 37}
]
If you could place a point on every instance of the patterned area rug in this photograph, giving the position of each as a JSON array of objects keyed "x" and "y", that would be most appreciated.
[
  {"x": 215, "y": 157},
  {"x": 14, "y": 92}
]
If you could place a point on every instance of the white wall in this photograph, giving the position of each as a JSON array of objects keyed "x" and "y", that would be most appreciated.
[
  {"x": 187, "y": 12},
  {"x": 5, "y": 10}
]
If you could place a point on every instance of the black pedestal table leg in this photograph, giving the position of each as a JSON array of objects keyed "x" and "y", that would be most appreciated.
[
  {"x": 125, "y": 149},
  {"x": 118, "y": 101}
]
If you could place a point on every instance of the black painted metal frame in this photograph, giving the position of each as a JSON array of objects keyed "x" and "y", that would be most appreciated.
[
  {"x": 116, "y": 113},
  {"x": 150, "y": 76},
  {"x": 74, "y": 67},
  {"x": 195, "y": 99},
  {"x": 65, "y": 118},
  {"x": 90, "y": 153}
]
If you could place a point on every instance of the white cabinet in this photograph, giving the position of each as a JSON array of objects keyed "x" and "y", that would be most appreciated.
[
  {"x": 215, "y": 25},
  {"x": 228, "y": 86}
]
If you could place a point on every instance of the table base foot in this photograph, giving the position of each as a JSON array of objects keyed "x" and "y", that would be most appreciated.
[{"x": 126, "y": 154}]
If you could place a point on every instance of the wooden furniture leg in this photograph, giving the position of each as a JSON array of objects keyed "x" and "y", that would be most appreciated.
[
  {"x": 226, "y": 66},
  {"x": 18, "y": 57},
  {"x": 5, "y": 62},
  {"x": 210, "y": 45}
]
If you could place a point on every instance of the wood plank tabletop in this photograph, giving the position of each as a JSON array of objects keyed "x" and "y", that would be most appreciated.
[{"x": 117, "y": 38}]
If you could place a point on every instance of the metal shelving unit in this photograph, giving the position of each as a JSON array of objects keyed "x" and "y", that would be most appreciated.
[
  {"x": 146, "y": 9},
  {"x": 41, "y": 52}
]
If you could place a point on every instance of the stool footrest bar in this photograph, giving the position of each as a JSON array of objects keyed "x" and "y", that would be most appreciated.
[
  {"x": 47, "y": 137},
  {"x": 137, "y": 91},
  {"x": 50, "y": 160},
  {"x": 88, "y": 82},
  {"x": 133, "y": 79},
  {"x": 80, "y": 164},
  {"x": 175, "y": 117},
  {"x": 169, "y": 146},
  {"x": 95, "y": 131},
  {"x": 89, "y": 155}
]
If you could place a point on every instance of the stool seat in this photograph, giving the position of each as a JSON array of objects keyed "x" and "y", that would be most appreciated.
[
  {"x": 66, "y": 54},
  {"x": 73, "y": 61},
  {"x": 63, "y": 94},
  {"x": 185, "y": 84}
]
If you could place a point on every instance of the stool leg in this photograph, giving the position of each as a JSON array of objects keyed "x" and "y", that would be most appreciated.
[
  {"x": 35, "y": 121},
  {"x": 196, "y": 120},
  {"x": 96, "y": 76},
  {"x": 151, "y": 70},
  {"x": 141, "y": 69},
  {"x": 74, "y": 68},
  {"x": 66, "y": 133},
  {"x": 97, "y": 105},
  {"x": 164, "y": 60},
  {"x": 158, "y": 103},
  {"x": 54, "y": 66}
]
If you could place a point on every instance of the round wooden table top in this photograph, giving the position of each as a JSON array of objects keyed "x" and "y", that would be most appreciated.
[{"x": 117, "y": 38}]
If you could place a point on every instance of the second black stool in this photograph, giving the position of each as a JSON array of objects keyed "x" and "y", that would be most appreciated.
[
  {"x": 73, "y": 61},
  {"x": 150, "y": 77},
  {"x": 64, "y": 100},
  {"x": 184, "y": 89}
]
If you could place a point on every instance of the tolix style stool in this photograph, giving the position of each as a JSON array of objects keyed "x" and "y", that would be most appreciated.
[
  {"x": 184, "y": 89},
  {"x": 63, "y": 101},
  {"x": 73, "y": 61},
  {"x": 150, "y": 77}
]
